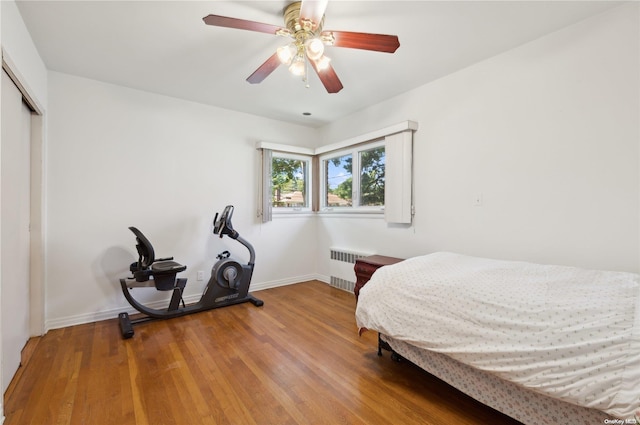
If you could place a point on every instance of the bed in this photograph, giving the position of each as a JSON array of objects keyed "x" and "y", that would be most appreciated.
[{"x": 543, "y": 344}]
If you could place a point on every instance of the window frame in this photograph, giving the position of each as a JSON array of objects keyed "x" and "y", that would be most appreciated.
[
  {"x": 308, "y": 183},
  {"x": 356, "y": 172}
]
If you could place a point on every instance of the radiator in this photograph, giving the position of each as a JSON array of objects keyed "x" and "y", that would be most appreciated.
[{"x": 342, "y": 275}]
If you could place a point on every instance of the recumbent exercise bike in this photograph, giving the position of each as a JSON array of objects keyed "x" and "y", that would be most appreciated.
[{"x": 228, "y": 285}]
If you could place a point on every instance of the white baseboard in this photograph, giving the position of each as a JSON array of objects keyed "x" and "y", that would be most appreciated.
[{"x": 80, "y": 319}]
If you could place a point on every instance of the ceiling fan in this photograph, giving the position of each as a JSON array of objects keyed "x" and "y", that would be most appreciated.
[{"x": 303, "y": 23}]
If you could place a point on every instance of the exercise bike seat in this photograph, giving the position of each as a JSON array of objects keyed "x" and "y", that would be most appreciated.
[
  {"x": 162, "y": 270},
  {"x": 167, "y": 267}
]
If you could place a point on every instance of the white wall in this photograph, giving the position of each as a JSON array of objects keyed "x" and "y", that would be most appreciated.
[
  {"x": 547, "y": 132},
  {"x": 120, "y": 157},
  {"x": 25, "y": 59}
]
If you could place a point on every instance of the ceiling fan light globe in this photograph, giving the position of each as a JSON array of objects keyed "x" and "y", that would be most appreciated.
[
  {"x": 314, "y": 48},
  {"x": 286, "y": 53},
  {"x": 297, "y": 67},
  {"x": 322, "y": 63}
]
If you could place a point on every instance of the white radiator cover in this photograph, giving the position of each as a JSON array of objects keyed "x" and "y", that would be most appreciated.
[{"x": 341, "y": 265}]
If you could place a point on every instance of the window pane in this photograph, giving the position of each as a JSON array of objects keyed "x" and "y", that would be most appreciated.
[
  {"x": 338, "y": 182},
  {"x": 372, "y": 177},
  {"x": 289, "y": 183}
]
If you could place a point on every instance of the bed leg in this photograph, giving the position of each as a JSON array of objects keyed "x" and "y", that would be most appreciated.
[{"x": 382, "y": 344}]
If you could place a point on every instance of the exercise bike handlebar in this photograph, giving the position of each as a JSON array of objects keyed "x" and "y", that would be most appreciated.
[{"x": 223, "y": 227}]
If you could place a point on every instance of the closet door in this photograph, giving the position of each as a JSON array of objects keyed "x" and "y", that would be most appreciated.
[{"x": 15, "y": 217}]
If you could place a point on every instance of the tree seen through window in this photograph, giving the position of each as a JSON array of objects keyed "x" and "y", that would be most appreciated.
[
  {"x": 372, "y": 177},
  {"x": 339, "y": 179},
  {"x": 288, "y": 184}
]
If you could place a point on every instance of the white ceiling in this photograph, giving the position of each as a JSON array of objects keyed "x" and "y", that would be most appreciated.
[{"x": 164, "y": 47}]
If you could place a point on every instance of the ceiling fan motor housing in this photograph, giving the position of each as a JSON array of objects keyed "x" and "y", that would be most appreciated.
[{"x": 300, "y": 29}]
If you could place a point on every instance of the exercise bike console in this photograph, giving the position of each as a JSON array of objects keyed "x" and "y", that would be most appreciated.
[
  {"x": 228, "y": 285},
  {"x": 223, "y": 226}
]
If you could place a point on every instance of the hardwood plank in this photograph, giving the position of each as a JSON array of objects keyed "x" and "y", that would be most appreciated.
[
  {"x": 25, "y": 356},
  {"x": 296, "y": 360},
  {"x": 129, "y": 387}
]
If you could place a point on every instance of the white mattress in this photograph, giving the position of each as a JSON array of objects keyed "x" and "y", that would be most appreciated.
[{"x": 565, "y": 332}]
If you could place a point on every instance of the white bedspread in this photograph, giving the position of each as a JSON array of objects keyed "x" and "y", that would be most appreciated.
[{"x": 570, "y": 333}]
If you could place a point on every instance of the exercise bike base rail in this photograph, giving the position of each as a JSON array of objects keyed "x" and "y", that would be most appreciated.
[
  {"x": 206, "y": 302},
  {"x": 174, "y": 310}
]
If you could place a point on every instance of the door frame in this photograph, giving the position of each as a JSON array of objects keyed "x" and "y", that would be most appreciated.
[{"x": 37, "y": 221}]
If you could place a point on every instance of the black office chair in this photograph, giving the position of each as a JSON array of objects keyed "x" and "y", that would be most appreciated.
[{"x": 162, "y": 270}]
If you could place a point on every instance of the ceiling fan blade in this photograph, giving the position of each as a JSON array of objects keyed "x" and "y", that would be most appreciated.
[
  {"x": 360, "y": 40},
  {"x": 328, "y": 77},
  {"x": 264, "y": 70},
  {"x": 313, "y": 10},
  {"x": 242, "y": 24}
]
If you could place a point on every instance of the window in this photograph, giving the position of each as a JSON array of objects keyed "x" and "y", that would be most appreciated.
[
  {"x": 290, "y": 188},
  {"x": 354, "y": 178},
  {"x": 338, "y": 181},
  {"x": 371, "y": 173}
]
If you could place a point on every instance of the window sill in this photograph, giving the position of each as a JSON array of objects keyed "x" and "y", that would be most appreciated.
[
  {"x": 290, "y": 213},
  {"x": 354, "y": 213},
  {"x": 325, "y": 214}
]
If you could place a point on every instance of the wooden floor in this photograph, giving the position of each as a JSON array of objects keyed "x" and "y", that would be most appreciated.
[{"x": 296, "y": 360}]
